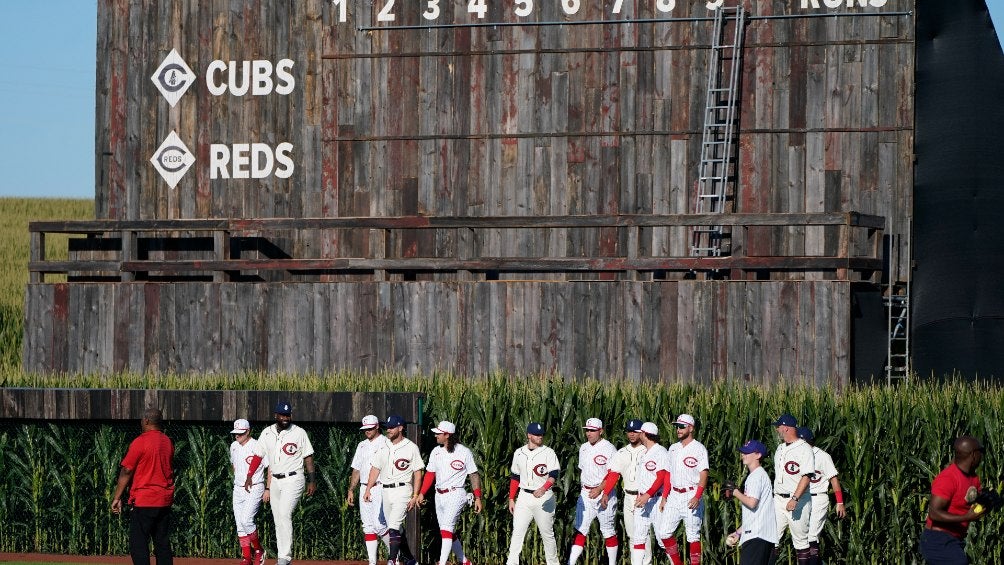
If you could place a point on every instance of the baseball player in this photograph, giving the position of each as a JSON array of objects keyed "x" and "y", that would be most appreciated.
[
  {"x": 825, "y": 475},
  {"x": 758, "y": 534},
  {"x": 625, "y": 466},
  {"x": 594, "y": 462},
  {"x": 652, "y": 477},
  {"x": 534, "y": 471},
  {"x": 397, "y": 465},
  {"x": 793, "y": 470},
  {"x": 247, "y": 458},
  {"x": 683, "y": 500},
  {"x": 288, "y": 452},
  {"x": 371, "y": 513},
  {"x": 450, "y": 463}
]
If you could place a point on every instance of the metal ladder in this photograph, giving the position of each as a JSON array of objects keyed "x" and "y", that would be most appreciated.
[
  {"x": 897, "y": 304},
  {"x": 717, "y": 168}
]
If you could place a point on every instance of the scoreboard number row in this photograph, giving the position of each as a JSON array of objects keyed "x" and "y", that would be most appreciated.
[{"x": 479, "y": 8}]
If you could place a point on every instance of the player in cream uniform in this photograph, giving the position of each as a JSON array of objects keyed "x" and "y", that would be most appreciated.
[
  {"x": 624, "y": 466},
  {"x": 688, "y": 471},
  {"x": 819, "y": 486},
  {"x": 652, "y": 476},
  {"x": 594, "y": 461},
  {"x": 289, "y": 453},
  {"x": 450, "y": 463},
  {"x": 793, "y": 470},
  {"x": 370, "y": 512},
  {"x": 534, "y": 471},
  {"x": 397, "y": 465},
  {"x": 247, "y": 458}
]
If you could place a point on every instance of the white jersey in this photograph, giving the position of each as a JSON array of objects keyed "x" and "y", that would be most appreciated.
[
  {"x": 532, "y": 466},
  {"x": 625, "y": 463},
  {"x": 285, "y": 450},
  {"x": 792, "y": 461},
  {"x": 825, "y": 470},
  {"x": 686, "y": 463},
  {"x": 654, "y": 460},
  {"x": 594, "y": 461},
  {"x": 364, "y": 456},
  {"x": 240, "y": 458},
  {"x": 759, "y": 522},
  {"x": 397, "y": 461},
  {"x": 451, "y": 469}
]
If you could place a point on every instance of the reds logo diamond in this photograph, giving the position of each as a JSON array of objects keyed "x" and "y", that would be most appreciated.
[
  {"x": 600, "y": 460},
  {"x": 457, "y": 465},
  {"x": 289, "y": 449},
  {"x": 690, "y": 462},
  {"x": 791, "y": 467},
  {"x": 540, "y": 470},
  {"x": 402, "y": 464}
]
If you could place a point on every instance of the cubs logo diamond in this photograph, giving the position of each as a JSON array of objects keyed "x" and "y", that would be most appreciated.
[
  {"x": 172, "y": 160},
  {"x": 173, "y": 77}
]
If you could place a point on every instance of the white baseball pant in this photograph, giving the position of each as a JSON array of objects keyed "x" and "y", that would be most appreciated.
[
  {"x": 629, "y": 527},
  {"x": 540, "y": 510},
  {"x": 449, "y": 505},
  {"x": 371, "y": 513},
  {"x": 676, "y": 511},
  {"x": 246, "y": 505},
  {"x": 817, "y": 519},
  {"x": 588, "y": 509},
  {"x": 285, "y": 495},
  {"x": 797, "y": 520},
  {"x": 646, "y": 519},
  {"x": 395, "y": 505}
]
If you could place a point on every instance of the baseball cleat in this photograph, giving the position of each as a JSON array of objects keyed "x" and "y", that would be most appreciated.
[{"x": 259, "y": 558}]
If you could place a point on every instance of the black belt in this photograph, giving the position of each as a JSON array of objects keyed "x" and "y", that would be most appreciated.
[
  {"x": 782, "y": 495},
  {"x": 631, "y": 492},
  {"x": 395, "y": 485},
  {"x": 819, "y": 494},
  {"x": 530, "y": 490},
  {"x": 584, "y": 487},
  {"x": 284, "y": 475}
]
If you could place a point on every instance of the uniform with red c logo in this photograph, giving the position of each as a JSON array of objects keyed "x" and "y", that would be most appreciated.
[
  {"x": 457, "y": 465},
  {"x": 791, "y": 467},
  {"x": 690, "y": 462},
  {"x": 540, "y": 470},
  {"x": 650, "y": 465},
  {"x": 289, "y": 449},
  {"x": 600, "y": 460},
  {"x": 402, "y": 464}
]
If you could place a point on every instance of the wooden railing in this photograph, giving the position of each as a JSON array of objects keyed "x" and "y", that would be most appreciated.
[{"x": 121, "y": 237}]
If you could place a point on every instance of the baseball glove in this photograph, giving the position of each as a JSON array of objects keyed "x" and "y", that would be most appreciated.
[{"x": 727, "y": 488}]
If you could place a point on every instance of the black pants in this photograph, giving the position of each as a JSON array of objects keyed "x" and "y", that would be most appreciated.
[
  {"x": 942, "y": 548},
  {"x": 755, "y": 551},
  {"x": 146, "y": 523}
]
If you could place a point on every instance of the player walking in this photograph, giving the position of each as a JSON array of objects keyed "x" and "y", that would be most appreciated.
[
  {"x": 624, "y": 466},
  {"x": 594, "y": 461},
  {"x": 652, "y": 476},
  {"x": 793, "y": 469},
  {"x": 819, "y": 486},
  {"x": 758, "y": 534},
  {"x": 371, "y": 512},
  {"x": 688, "y": 467},
  {"x": 534, "y": 471},
  {"x": 247, "y": 459},
  {"x": 397, "y": 465},
  {"x": 450, "y": 463},
  {"x": 288, "y": 452}
]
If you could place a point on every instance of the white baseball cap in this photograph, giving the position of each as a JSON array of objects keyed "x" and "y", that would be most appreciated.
[
  {"x": 241, "y": 426},
  {"x": 650, "y": 428},
  {"x": 445, "y": 427},
  {"x": 369, "y": 422},
  {"x": 685, "y": 419},
  {"x": 593, "y": 424}
]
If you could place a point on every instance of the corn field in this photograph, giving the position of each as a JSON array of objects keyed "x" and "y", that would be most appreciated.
[{"x": 888, "y": 443}]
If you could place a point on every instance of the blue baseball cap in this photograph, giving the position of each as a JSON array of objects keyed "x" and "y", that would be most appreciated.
[
  {"x": 393, "y": 422},
  {"x": 805, "y": 433},
  {"x": 535, "y": 429},
  {"x": 786, "y": 420},
  {"x": 283, "y": 407},
  {"x": 633, "y": 426},
  {"x": 754, "y": 446}
]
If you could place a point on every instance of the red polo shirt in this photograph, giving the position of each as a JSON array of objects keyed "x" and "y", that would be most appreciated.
[
  {"x": 149, "y": 458},
  {"x": 952, "y": 484}
]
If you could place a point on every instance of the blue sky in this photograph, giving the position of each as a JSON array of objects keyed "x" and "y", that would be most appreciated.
[{"x": 47, "y": 96}]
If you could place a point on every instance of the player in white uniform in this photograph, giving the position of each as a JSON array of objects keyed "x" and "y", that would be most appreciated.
[
  {"x": 594, "y": 461},
  {"x": 371, "y": 512},
  {"x": 534, "y": 471},
  {"x": 247, "y": 458},
  {"x": 758, "y": 534},
  {"x": 793, "y": 469},
  {"x": 289, "y": 453},
  {"x": 625, "y": 466},
  {"x": 652, "y": 476},
  {"x": 397, "y": 465},
  {"x": 450, "y": 463},
  {"x": 819, "y": 487},
  {"x": 688, "y": 471}
]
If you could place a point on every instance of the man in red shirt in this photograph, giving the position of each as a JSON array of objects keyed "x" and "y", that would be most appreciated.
[
  {"x": 147, "y": 465},
  {"x": 948, "y": 514}
]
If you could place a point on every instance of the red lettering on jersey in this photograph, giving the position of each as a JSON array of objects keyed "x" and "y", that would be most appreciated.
[
  {"x": 600, "y": 460},
  {"x": 791, "y": 467},
  {"x": 457, "y": 465},
  {"x": 402, "y": 464},
  {"x": 650, "y": 465},
  {"x": 690, "y": 462},
  {"x": 289, "y": 449},
  {"x": 540, "y": 470}
]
